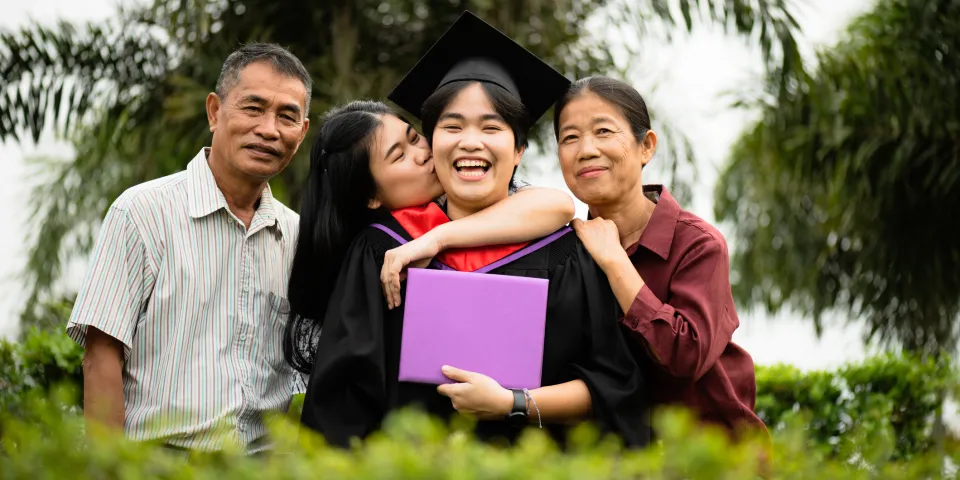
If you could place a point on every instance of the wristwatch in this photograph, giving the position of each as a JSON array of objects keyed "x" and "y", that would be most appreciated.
[{"x": 518, "y": 416}]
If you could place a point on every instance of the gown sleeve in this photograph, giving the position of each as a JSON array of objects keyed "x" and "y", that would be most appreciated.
[
  {"x": 347, "y": 391},
  {"x": 605, "y": 364}
]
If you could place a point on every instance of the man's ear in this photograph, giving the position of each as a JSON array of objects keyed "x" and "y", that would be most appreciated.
[
  {"x": 303, "y": 133},
  {"x": 213, "y": 108}
]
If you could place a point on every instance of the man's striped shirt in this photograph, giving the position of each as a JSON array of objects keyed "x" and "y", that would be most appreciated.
[{"x": 198, "y": 301}]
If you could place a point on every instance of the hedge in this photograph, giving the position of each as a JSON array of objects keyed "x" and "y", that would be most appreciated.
[
  {"x": 868, "y": 420},
  {"x": 48, "y": 442},
  {"x": 899, "y": 393},
  {"x": 41, "y": 361}
]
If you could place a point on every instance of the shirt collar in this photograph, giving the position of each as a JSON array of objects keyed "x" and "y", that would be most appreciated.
[
  {"x": 658, "y": 234},
  {"x": 269, "y": 211},
  {"x": 205, "y": 197}
]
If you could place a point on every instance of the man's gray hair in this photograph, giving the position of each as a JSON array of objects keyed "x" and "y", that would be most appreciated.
[{"x": 282, "y": 60}]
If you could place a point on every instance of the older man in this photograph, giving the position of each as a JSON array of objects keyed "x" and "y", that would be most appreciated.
[{"x": 181, "y": 313}]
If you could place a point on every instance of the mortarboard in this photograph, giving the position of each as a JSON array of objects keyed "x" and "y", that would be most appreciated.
[{"x": 472, "y": 49}]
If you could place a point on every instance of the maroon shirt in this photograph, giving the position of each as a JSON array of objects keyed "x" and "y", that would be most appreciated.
[{"x": 684, "y": 318}]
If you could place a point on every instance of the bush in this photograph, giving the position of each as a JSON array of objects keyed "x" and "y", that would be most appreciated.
[
  {"x": 897, "y": 396},
  {"x": 42, "y": 360},
  {"x": 867, "y": 420},
  {"x": 49, "y": 443}
]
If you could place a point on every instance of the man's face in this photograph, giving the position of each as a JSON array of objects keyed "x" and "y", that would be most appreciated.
[{"x": 259, "y": 125}]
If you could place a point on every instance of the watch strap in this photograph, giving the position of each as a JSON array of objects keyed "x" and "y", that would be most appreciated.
[{"x": 519, "y": 413}]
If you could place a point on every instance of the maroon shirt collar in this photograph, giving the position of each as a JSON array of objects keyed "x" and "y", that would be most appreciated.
[{"x": 658, "y": 234}]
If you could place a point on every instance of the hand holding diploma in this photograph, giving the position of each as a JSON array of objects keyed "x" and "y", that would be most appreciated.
[{"x": 476, "y": 395}]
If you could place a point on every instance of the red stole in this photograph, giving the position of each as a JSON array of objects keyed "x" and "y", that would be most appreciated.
[{"x": 420, "y": 220}]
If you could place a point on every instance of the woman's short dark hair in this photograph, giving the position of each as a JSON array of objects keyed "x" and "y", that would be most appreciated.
[
  {"x": 619, "y": 94},
  {"x": 504, "y": 103},
  {"x": 333, "y": 210}
]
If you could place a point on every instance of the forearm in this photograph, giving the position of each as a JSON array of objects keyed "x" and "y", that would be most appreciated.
[
  {"x": 568, "y": 402},
  {"x": 528, "y": 214},
  {"x": 103, "y": 383},
  {"x": 103, "y": 397},
  {"x": 688, "y": 335},
  {"x": 624, "y": 280}
]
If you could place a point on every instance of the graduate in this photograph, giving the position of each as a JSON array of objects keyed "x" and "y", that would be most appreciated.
[{"x": 477, "y": 93}]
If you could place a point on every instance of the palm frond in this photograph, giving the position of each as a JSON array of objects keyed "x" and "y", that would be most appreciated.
[
  {"x": 767, "y": 23},
  {"x": 55, "y": 76}
]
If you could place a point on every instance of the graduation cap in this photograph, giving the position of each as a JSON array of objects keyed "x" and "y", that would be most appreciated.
[{"x": 473, "y": 50}]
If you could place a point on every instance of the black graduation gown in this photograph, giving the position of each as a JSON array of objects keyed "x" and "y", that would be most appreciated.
[{"x": 354, "y": 383}]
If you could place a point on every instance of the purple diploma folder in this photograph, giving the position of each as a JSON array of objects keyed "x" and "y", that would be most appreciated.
[{"x": 485, "y": 323}]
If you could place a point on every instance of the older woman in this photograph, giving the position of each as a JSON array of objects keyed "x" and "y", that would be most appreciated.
[{"x": 669, "y": 269}]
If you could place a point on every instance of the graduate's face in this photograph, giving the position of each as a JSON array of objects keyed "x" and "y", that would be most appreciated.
[
  {"x": 599, "y": 155},
  {"x": 402, "y": 166},
  {"x": 259, "y": 124},
  {"x": 475, "y": 152}
]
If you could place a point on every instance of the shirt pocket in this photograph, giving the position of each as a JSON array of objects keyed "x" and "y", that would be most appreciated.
[{"x": 278, "y": 314}]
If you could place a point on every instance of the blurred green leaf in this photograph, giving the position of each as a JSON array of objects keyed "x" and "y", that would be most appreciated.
[{"x": 882, "y": 409}]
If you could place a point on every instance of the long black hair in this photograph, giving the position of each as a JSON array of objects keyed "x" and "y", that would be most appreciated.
[{"x": 333, "y": 210}]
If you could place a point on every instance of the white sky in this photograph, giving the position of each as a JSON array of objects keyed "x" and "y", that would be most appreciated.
[{"x": 690, "y": 76}]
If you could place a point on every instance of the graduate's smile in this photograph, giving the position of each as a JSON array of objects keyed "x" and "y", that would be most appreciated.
[
  {"x": 470, "y": 168},
  {"x": 476, "y": 150}
]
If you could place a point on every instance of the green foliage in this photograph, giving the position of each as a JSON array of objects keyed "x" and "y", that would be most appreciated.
[
  {"x": 840, "y": 196},
  {"x": 894, "y": 398},
  {"x": 48, "y": 442},
  {"x": 129, "y": 93},
  {"x": 883, "y": 408},
  {"x": 43, "y": 360}
]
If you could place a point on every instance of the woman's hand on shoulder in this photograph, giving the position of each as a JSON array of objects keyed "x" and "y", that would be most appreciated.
[
  {"x": 417, "y": 254},
  {"x": 601, "y": 239}
]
